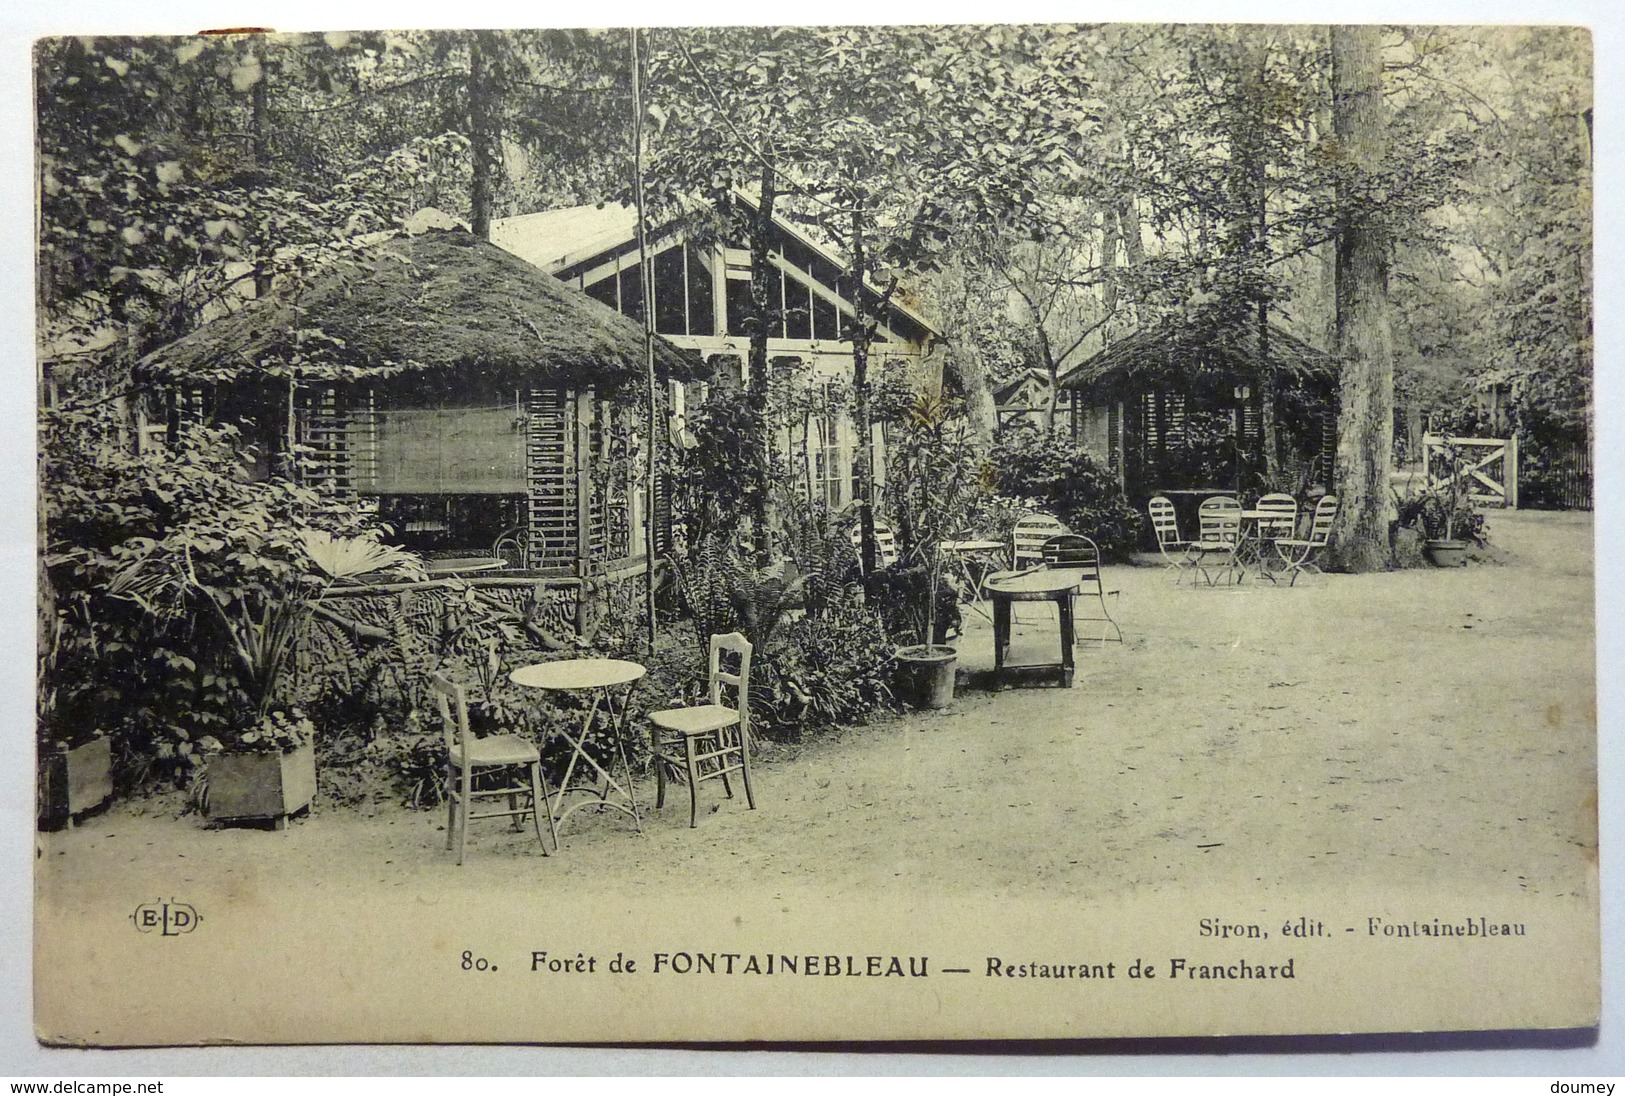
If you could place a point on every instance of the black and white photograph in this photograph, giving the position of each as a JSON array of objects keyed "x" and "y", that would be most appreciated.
[{"x": 827, "y": 532}]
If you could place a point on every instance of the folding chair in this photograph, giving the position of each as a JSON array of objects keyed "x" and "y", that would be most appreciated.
[
  {"x": 1165, "y": 523},
  {"x": 1281, "y": 520},
  {"x": 886, "y": 553},
  {"x": 1027, "y": 540},
  {"x": 1219, "y": 518},
  {"x": 1297, "y": 554},
  {"x": 1070, "y": 552}
]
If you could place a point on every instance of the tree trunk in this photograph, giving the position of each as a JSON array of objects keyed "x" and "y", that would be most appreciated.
[
  {"x": 482, "y": 134},
  {"x": 762, "y": 317},
  {"x": 1365, "y": 425},
  {"x": 966, "y": 367}
]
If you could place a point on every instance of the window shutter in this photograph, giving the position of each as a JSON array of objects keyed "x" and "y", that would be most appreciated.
[{"x": 550, "y": 476}]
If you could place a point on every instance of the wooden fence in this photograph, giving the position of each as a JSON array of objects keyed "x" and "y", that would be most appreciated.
[{"x": 1488, "y": 465}]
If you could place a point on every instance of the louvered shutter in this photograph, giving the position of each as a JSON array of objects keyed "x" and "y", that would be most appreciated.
[{"x": 550, "y": 476}]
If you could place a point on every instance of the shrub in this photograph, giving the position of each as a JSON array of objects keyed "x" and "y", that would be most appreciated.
[{"x": 1066, "y": 481}]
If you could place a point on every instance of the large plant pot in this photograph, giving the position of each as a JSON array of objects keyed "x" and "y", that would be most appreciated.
[
  {"x": 262, "y": 786},
  {"x": 925, "y": 675},
  {"x": 74, "y": 781},
  {"x": 1447, "y": 553}
]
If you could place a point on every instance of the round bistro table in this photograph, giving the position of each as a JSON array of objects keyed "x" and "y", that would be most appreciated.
[
  {"x": 963, "y": 553},
  {"x": 600, "y": 677}
]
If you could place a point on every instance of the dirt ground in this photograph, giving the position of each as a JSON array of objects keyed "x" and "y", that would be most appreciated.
[{"x": 1422, "y": 727}]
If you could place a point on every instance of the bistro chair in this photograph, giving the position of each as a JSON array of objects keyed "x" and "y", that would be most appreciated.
[
  {"x": 1028, "y": 537},
  {"x": 1165, "y": 523},
  {"x": 494, "y": 767},
  {"x": 1027, "y": 540},
  {"x": 1077, "y": 554},
  {"x": 1219, "y": 520},
  {"x": 885, "y": 544},
  {"x": 1297, "y": 554},
  {"x": 510, "y": 548},
  {"x": 711, "y": 740},
  {"x": 1283, "y": 519}
]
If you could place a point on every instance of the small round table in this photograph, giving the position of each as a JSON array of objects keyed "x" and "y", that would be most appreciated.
[
  {"x": 1040, "y": 585},
  {"x": 600, "y": 676},
  {"x": 963, "y": 553}
]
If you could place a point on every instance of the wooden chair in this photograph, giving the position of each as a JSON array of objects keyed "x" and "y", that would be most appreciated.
[
  {"x": 471, "y": 765},
  {"x": 1165, "y": 523},
  {"x": 1297, "y": 554},
  {"x": 1070, "y": 552},
  {"x": 1219, "y": 519},
  {"x": 709, "y": 740}
]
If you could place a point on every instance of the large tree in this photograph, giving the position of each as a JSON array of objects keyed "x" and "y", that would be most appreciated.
[{"x": 1364, "y": 338}]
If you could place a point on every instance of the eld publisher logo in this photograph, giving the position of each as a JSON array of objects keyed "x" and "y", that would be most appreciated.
[{"x": 170, "y": 918}]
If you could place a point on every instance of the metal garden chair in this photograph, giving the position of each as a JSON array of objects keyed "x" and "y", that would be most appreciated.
[
  {"x": 1297, "y": 554},
  {"x": 1219, "y": 519},
  {"x": 1165, "y": 523},
  {"x": 1077, "y": 554}
]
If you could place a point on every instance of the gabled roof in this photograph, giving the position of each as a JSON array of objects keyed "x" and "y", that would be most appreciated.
[
  {"x": 1016, "y": 381},
  {"x": 557, "y": 239},
  {"x": 441, "y": 300}
]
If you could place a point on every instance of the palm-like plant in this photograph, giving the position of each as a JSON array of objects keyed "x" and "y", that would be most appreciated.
[{"x": 258, "y": 581}]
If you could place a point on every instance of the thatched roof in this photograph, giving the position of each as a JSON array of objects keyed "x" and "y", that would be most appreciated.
[
  {"x": 440, "y": 301},
  {"x": 1177, "y": 357}
]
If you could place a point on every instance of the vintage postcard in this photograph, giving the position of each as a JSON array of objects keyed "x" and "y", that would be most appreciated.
[{"x": 815, "y": 533}]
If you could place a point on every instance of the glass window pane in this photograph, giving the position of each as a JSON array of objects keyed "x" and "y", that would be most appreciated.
[
  {"x": 671, "y": 296},
  {"x": 701, "y": 299}
]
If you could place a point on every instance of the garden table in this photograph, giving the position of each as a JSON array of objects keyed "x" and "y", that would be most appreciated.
[
  {"x": 1249, "y": 556},
  {"x": 600, "y": 677},
  {"x": 1043, "y": 584}
]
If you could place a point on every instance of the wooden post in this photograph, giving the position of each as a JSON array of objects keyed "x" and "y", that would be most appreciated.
[
  {"x": 583, "y": 461},
  {"x": 1509, "y": 472}
]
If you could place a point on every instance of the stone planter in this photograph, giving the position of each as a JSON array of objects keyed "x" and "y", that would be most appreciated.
[
  {"x": 925, "y": 675},
  {"x": 246, "y": 787},
  {"x": 1447, "y": 553},
  {"x": 74, "y": 781}
]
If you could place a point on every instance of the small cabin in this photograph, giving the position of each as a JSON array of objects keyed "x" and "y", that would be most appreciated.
[
  {"x": 482, "y": 407},
  {"x": 1207, "y": 408}
]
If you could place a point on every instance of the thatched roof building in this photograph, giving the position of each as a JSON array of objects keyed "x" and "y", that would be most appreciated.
[
  {"x": 441, "y": 301},
  {"x": 1198, "y": 356},
  {"x": 480, "y": 404},
  {"x": 1205, "y": 407}
]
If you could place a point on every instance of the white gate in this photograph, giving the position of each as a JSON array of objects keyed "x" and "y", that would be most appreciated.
[{"x": 1489, "y": 465}]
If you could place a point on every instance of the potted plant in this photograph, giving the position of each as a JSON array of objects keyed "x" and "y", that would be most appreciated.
[
  {"x": 934, "y": 482},
  {"x": 1445, "y": 504},
  {"x": 75, "y": 756},
  {"x": 251, "y": 579},
  {"x": 268, "y": 773}
]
